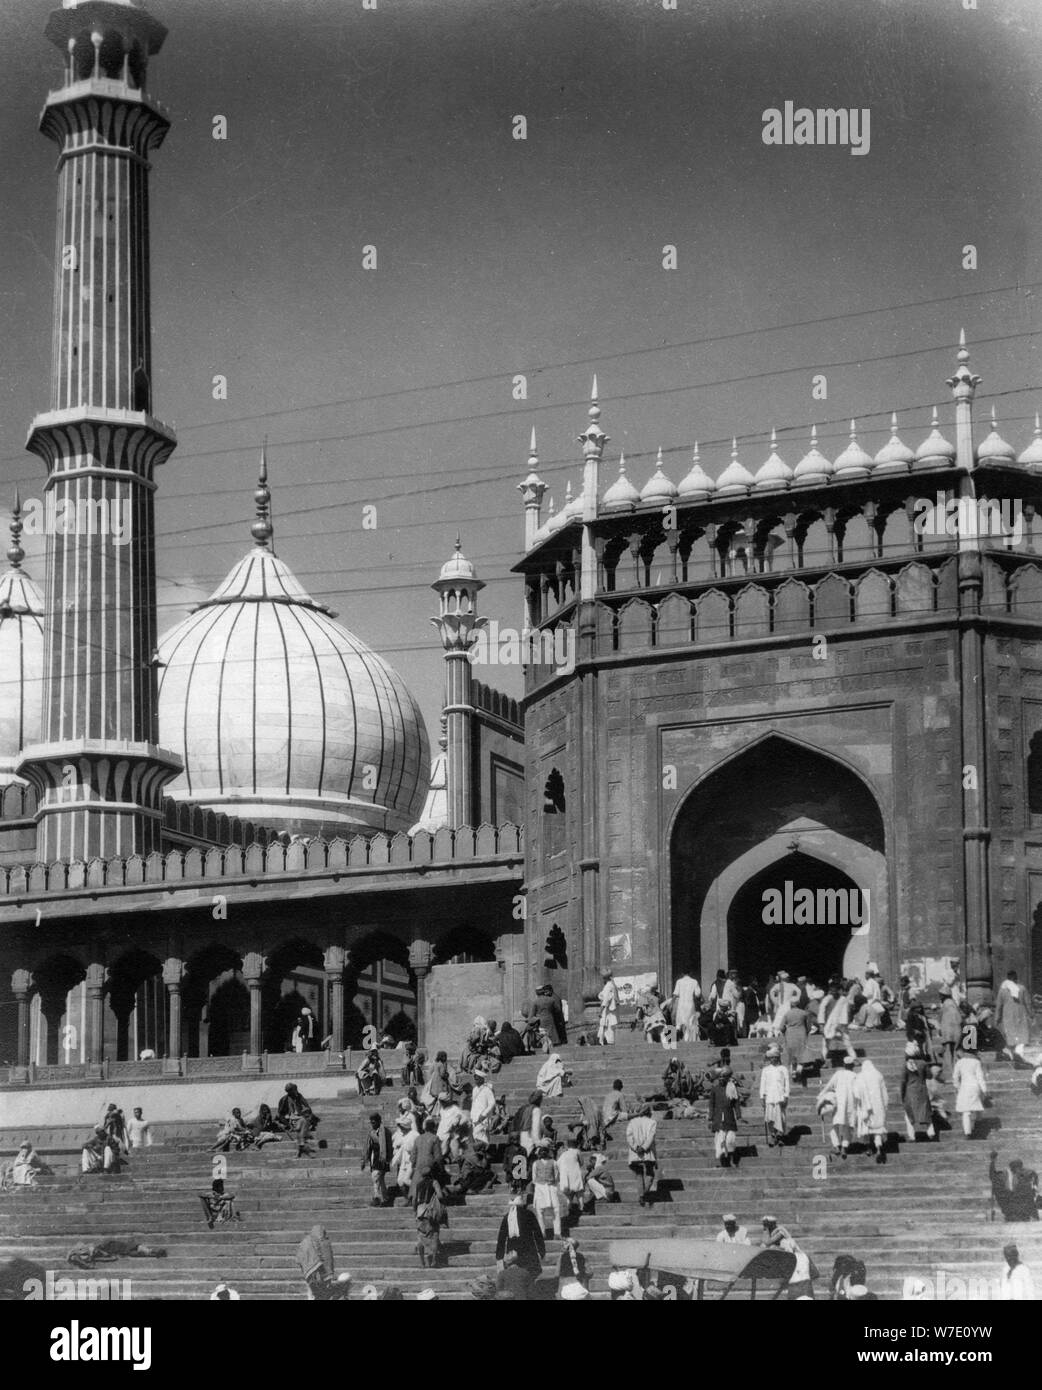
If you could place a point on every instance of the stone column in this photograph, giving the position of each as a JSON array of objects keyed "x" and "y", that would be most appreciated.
[
  {"x": 173, "y": 973},
  {"x": 253, "y": 966},
  {"x": 21, "y": 985},
  {"x": 421, "y": 958},
  {"x": 95, "y": 987},
  {"x": 335, "y": 962}
]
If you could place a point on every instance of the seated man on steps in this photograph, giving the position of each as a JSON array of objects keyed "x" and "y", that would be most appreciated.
[
  {"x": 218, "y": 1205},
  {"x": 297, "y": 1116},
  {"x": 1015, "y": 1191}
]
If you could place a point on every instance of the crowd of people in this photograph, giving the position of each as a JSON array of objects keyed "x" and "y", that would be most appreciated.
[{"x": 453, "y": 1134}]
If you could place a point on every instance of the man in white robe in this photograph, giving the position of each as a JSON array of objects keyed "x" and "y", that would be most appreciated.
[
  {"x": 732, "y": 1233},
  {"x": 872, "y": 1099},
  {"x": 838, "y": 1101},
  {"x": 687, "y": 994},
  {"x": 780, "y": 998},
  {"x": 774, "y": 1093},
  {"x": 609, "y": 1016},
  {"x": 482, "y": 1108},
  {"x": 1016, "y": 1280}
]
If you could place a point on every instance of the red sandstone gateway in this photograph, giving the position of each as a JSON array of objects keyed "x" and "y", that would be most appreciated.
[{"x": 701, "y": 1262}]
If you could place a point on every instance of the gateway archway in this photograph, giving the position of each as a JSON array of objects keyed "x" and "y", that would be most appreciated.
[
  {"x": 814, "y": 934},
  {"x": 777, "y": 801}
]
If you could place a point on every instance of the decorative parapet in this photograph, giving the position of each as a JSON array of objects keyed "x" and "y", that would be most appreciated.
[
  {"x": 489, "y": 701},
  {"x": 300, "y": 858}
]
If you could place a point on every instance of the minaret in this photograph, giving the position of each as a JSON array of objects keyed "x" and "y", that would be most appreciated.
[
  {"x": 458, "y": 626},
  {"x": 99, "y": 773},
  {"x": 532, "y": 490},
  {"x": 976, "y": 832},
  {"x": 593, "y": 440}
]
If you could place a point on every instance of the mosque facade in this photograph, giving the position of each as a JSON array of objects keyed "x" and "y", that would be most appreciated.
[{"x": 818, "y": 684}]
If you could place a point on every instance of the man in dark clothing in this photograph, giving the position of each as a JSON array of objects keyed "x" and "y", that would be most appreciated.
[
  {"x": 475, "y": 1170},
  {"x": 520, "y": 1234},
  {"x": 508, "y": 1043},
  {"x": 724, "y": 1113},
  {"x": 1015, "y": 1191},
  {"x": 546, "y": 1008},
  {"x": 297, "y": 1116},
  {"x": 376, "y": 1156},
  {"x": 512, "y": 1282}
]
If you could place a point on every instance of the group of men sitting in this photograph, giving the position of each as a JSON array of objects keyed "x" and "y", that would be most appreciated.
[{"x": 293, "y": 1119}]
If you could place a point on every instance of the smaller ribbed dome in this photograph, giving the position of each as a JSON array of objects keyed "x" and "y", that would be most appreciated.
[
  {"x": 853, "y": 462},
  {"x": 622, "y": 495},
  {"x": 573, "y": 510},
  {"x": 735, "y": 478},
  {"x": 935, "y": 449},
  {"x": 556, "y": 520},
  {"x": 435, "y": 813},
  {"x": 658, "y": 490},
  {"x": 1032, "y": 455},
  {"x": 774, "y": 472},
  {"x": 696, "y": 485},
  {"x": 544, "y": 530},
  {"x": 814, "y": 468},
  {"x": 895, "y": 455},
  {"x": 457, "y": 566},
  {"x": 993, "y": 448}
]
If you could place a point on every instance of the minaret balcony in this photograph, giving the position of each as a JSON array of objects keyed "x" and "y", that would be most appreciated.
[{"x": 131, "y": 440}]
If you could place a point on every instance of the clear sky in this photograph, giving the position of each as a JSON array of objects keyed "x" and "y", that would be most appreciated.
[{"x": 392, "y": 387}]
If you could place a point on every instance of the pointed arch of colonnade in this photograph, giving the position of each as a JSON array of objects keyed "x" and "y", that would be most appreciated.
[
  {"x": 772, "y": 801},
  {"x": 226, "y": 993}
]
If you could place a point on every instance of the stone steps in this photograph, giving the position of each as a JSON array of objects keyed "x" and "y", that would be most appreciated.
[{"x": 925, "y": 1210}]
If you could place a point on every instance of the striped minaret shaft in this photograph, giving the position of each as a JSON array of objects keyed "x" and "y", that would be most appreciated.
[{"x": 99, "y": 772}]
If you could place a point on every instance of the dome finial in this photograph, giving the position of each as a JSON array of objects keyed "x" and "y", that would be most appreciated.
[
  {"x": 262, "y": 529},
  {"x": 16, "y": 554}
]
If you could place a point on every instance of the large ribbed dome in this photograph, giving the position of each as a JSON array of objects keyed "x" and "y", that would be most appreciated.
[
  {"x": 282, "y": 716},
  {"x": 21, "y": 659}
]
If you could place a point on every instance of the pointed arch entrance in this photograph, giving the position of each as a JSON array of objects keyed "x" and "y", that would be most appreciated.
[{"x": 779, "y": 812}]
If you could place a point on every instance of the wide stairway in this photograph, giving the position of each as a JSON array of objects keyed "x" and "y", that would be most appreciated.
[{"x": 926, "y": 1211}]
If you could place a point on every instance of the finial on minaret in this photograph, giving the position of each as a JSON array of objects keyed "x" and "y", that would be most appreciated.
[
  {"x": 533, "y": 456},
  {"x": 531, "y": 491},
  {"x": 16, "y": 554},
  {"x": 964, "y": 383},
  {"x": 262, "y": 529},
  {"x": 593, "y": 438}
]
